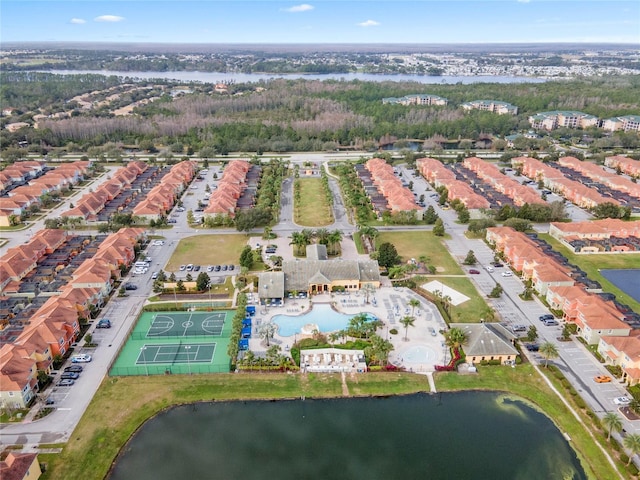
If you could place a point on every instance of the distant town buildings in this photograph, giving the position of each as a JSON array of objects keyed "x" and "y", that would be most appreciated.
[
  {"x": 494, "y": 106},
  {"x": 416, "y": 99},
  {"x": 562, "y": 118}
]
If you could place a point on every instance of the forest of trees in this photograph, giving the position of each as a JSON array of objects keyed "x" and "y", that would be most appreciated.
[{"x": 300, "y": 115}]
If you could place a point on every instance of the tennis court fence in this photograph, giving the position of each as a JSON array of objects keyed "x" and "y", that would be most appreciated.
[
  {"x": 170, "y": 335},
  {"x": 181, "y": 368}
]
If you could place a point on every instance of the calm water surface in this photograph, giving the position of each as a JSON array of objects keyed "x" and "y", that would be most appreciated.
[
  {"x": 627, "y": 280},
  {"x": 214, "y": 77},
  {"x": 468, "y": 435}
]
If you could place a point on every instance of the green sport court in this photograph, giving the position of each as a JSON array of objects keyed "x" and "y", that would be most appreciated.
[{"x": 176, "y": 342}]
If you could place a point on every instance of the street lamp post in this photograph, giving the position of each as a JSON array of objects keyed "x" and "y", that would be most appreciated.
[
  {"x": 187, "y": 348},
  {"x": 144, "y": 360}
]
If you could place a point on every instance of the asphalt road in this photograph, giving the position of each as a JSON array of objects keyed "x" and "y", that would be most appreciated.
[{"x": 576, "y": 362}]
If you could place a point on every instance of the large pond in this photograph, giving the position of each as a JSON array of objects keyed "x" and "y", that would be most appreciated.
[
  {"x": 627, "y": 280},
  {"x": 467, "y": 435},
  {"x": 214, "y": 77}
]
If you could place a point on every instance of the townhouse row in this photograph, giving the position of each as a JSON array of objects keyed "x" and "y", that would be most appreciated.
[
  {"x": 626, "y": 165},
  {"x": 599, "y": 321},
  {"x": 440, "y": 176},
  {"x": 155, "y": 205},
  {"x": 608, "y": 235},
  {"x": 598, "y": 174},
  {"x": 397, "y": 197},
  {"x": 33, "y": 185},
  {"x": 490, "y": 173},
  {"x": 224, "y": 200},
  {"x": 575, "y": 192},
  {"x": 55, "y": 326}
]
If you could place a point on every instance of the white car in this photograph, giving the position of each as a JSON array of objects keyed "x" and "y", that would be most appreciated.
[
  {"x": 489, "y": 268},
  {"x": 158, "y": 243},
  {"x": 622, "y": 400},
  {"x": 507, "y": 274}
]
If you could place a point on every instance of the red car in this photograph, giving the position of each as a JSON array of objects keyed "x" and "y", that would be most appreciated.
[{"x": 473, "y": 271}]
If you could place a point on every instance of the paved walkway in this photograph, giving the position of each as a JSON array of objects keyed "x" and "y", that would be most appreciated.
[{"x": 420, "y": 352}]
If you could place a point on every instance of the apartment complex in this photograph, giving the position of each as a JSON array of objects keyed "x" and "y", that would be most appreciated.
[
  {"x": 415, "y": 99},
  {"x": 626, "y": 123},
  {"x": 626, "y": 165},
  {"x": 493, "y": 106},
  {"x": 562, "y": 118}
]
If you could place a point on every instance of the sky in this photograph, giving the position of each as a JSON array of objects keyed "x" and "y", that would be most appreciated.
[{"x": 321, "y": 21}]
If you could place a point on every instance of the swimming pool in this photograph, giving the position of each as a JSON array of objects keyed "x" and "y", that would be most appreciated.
[{"x": 325, "y": 317}]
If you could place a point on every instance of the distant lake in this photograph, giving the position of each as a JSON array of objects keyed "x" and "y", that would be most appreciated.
[
  {"x": 627, "y": 280},
  {"x": 466, "y": 435},
  {"x": 215, "y": 77}
]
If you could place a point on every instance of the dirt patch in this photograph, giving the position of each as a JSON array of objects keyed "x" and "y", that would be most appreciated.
[{"x": 628, "y": 413}]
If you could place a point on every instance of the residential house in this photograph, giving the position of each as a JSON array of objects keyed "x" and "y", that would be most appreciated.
[
  {"x": 20, "y": 466},
  {"x": 494, "y": 106}
]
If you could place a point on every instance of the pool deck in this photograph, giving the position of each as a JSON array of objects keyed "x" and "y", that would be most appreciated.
[{"x": 419, "y": 353}]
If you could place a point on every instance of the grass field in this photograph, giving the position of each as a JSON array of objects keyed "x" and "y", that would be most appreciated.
[
  {"x": 592, "y": 263},
  {"x": 312, "y": 210},
  {"x": 112, "y": 417},
  {"x": 207, "y": 250},
  {"x": 472, "y": 310},
  {"x": 414, "y": 244}
]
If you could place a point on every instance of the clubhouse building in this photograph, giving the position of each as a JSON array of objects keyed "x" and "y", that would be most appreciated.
[{"x": 317, "y": 274}]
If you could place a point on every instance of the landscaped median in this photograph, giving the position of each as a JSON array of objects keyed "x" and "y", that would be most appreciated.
[{"x": 123, "y": 404}]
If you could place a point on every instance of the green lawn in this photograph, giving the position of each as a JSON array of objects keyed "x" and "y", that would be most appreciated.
[
  {"x": 122, "y": 404},
  {"x": 312, "y": 210},
  {"x": 472, "y": 310},
  {"x": 592, "y": 263},
  {"x": 414, "y": 244},
  {"x": 203, "y": 250}
]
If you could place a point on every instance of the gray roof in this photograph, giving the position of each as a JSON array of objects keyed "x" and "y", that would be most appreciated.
[
  {"x": 299, "y": 273},
  {"x": 316, "y": 251},
  {"x": 483, "y": 340},
  {"x": 271, "y": 285}
]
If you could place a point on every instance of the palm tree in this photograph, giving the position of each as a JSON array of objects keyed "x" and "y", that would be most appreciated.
[
  {"x": 632, "y": 443},
  {"x": 322, "y": 235},
  {"x": 549, "y": 351},
  {"x": 335, "y": 237},
  {"x": 612, "y": 422},
  {"x": 406, "y": 323},
  {"x": 455, "y": 338},
  {"x": 414, "y": 303},
  {"x": 266, "y": 331},
  {"x": 299, "y": 241}
]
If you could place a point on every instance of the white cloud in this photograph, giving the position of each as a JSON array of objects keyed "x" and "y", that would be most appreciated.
[
  {"x": 305, "y": 7},
  {"x": 108, "y": 18},
  {"x": 369, "y": 23},
  {"x": 77, "y": 21}
]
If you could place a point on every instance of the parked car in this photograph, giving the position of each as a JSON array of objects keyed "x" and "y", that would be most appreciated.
[
  {"x": 67, "y": 382},
  {"x": 552, "y": 322},
  {"x": 507, "y": 274},
  {"x": 622, "y": 400},
  {"x": 104, "y": 323},
  {"x": 210, "y": 268},
  {"x": 217, "y": 268},
  {"x": 49, "y": 401},
  {"x": 602, "y": 379},
  {"x": 196, "y": 268},
  {"x": 497, "y": 264},
  {"x": 190, "y": 267},
  {"x": 223, "y": 268},
  {"x": 81, "y": 358},
  {"x": 154, "y": 275},
  {"x": 74, "y": 368},
  {"x": 546, "y": 316},
  {"x": 130, "y": 286},
  {"x": 519, "y": 328},
  {"x": 432, "y": 331},
  {"x": 231, "y": 267},
  {"x": 489, "y": 268},
  {"x": 473, "y": 271},
  {"x": 183, "y": 268},
  {"x": 533, "y": 347},
  {"x": 172, "y": 220},
  {"x": 71, "y": 375}
]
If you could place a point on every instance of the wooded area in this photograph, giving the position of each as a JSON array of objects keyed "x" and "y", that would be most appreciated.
[{"x": 297, "y": 115}]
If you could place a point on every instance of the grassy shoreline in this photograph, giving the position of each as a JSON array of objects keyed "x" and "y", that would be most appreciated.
[{"x": 124, "y": 404}]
